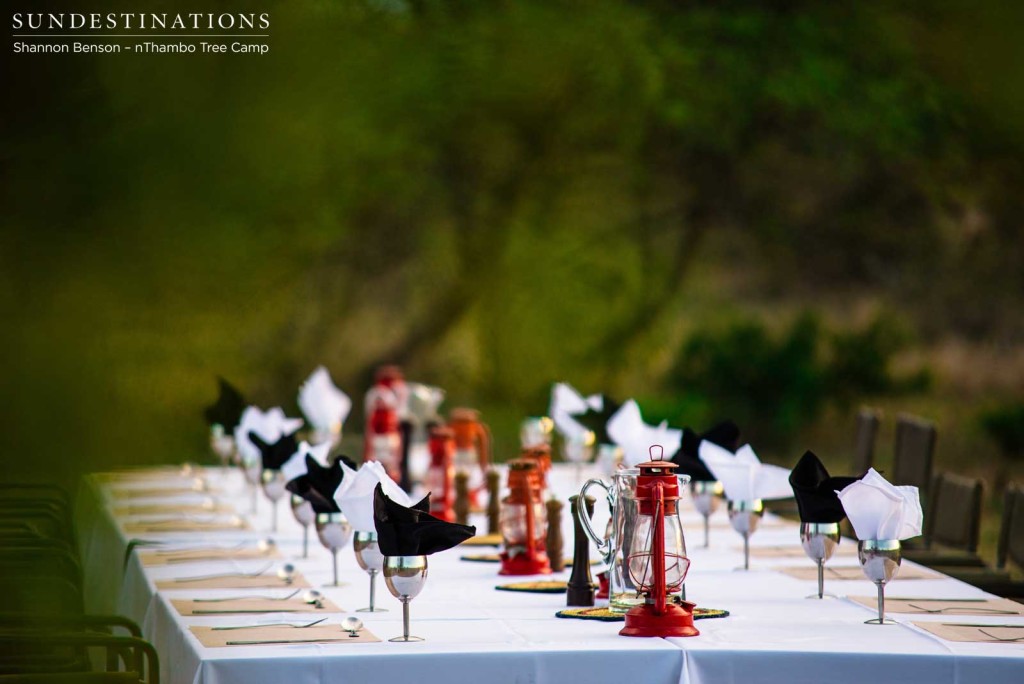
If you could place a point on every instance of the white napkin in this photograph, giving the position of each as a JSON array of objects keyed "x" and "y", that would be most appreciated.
[
  {"x": 628, "y": 429},
  {"x": 355, "y": 495},
  {"x": 878, "y": 509},
  {"x": 323, "y": 404},
  {"x": 296, "y": 465},
  {"x": 565, "y": 401},
  {"x": 270, "y": 425},
  {"x": 743, "y": 476}
]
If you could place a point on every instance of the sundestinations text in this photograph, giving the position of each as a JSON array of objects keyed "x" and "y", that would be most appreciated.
[{"x": 96, "y": 21}]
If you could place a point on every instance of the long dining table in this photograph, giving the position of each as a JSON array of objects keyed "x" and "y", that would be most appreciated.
[{"x": 131, "y": 524}]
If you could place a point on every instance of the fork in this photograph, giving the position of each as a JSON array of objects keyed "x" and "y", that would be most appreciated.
[
  {"x": 997, "y": 638},
  {"x": 273, "y": 624},
  {"x": 243, "y": 598},
  {"x": 994, "y": 611},
  {"x": 225, "y": 574}
]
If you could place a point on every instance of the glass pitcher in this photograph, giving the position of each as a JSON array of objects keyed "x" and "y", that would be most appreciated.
[{"x": 622, "y": 592}]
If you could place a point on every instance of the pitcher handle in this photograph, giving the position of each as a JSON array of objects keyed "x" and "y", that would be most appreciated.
[{"x": 604, "y": 546}]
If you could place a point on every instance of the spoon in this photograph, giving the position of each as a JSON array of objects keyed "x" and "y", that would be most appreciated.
[
  {"x": 273, "y": 624},
  {"x": 287, "y": 573},
  {"x": 243, "y": 598},
  {"x": 266, "y": 545},
  {"x": 352, "y": 625},
  {"x": 314, "y": 597},
  {"x": 198, "y": 578}
]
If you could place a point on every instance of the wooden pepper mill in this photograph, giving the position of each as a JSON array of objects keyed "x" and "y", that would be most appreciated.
[
  {"x": 580, "y": 590},
  {"x": 461, "y": 498},
  {"x": 553, "y": 541},
  {"x": 493, "y": 502}
]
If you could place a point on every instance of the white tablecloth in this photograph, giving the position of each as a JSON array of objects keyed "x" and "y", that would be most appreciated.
[{"x": 474, "y": 633}]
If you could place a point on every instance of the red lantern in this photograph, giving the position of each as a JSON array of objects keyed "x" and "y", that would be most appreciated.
[
  {"x": 656, "y": 557},
  {"x": 383, "y": 440},
  {"x": 524, "y": 523},
  {"x": 441, "y": 475},
  {"x": 472, "y": 450},
  {"x": 541, "y": 455}
]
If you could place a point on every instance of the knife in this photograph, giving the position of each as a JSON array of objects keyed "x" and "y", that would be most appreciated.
[
  {"x": 243, "y": 612},
  {"x": 934, "y": 600},
  {"x": 283, "y": 641},
  {"x": 969, "y": 624}
]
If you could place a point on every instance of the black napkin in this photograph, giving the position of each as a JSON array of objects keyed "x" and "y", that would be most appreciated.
[
  {"x": 815, "y": 491},
  {"x": 318, "y": 485},
  {"x": 227, "y": 410},
  {"x": 277, "y": 454},
  {"x": 412, "y": 531},
  {"x": 597, "y": 421},
  {"x": 725, "y": 434}
]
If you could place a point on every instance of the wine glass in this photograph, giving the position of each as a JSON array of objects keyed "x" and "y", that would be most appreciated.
[
  {"x": 274, "y": 487},
  {"x": 334, "y": 531},
  {"x": 880, "y": 560},
  {"x": 745, "y": 516},
  {"x": 370, "y": 559},
  {"x": 706, "y": 497},
  {"x": 253, "y": 471},
  {"x": 305, "y": 516},
  {"x": 405, "y": 577},
  {"x": 578, "y": 450},
  {"x": 819, "y": 541}
]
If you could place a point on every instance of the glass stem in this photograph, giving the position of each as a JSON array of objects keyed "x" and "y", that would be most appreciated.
[
  {"x": 334, "y": 553},
  {"x": 746, "y": 551},
  {"x": 305, "y": 541},
  {"x": 273, "y": 521},
  {"x": 255, "y": 498},
  {"x": 707, "y": 530},
  {"x": 821, "y": 578},
  {"x": 373, "y": 587},
  {"x": 881, "y": 603},
  {"x": 405, "y": 617}
]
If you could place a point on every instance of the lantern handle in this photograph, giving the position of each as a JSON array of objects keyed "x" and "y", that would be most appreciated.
[
  {"x": 661, "y": 452},
  {"x": 604, "y": 546}
]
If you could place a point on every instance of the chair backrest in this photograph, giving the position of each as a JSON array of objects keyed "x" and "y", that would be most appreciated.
[
  {"x": 1011, "y": 532},
  {"x": 954, "y": 516},
  {"x": 912, "y": 455},
  {"x": 868, "y": 420}
]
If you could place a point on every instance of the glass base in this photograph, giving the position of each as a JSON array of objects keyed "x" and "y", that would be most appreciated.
[
  {"x": 824, "y": 596},
  {"x": 876, "y": 621},
  {"x": 371, "y": 610},
  {"x": 407, "y": 639}
]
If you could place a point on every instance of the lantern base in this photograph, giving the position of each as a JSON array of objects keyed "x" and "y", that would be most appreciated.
[
  {"x": 521, "y": 564},
  {"x": 602, "y": 585},
  {"x": 676, "y": 621}
]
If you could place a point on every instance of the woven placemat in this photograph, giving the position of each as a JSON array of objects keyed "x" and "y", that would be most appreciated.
[
  {"x": 602, "y": 614},
  {"x": 484, "y": 540},
  {"x": 538, "y": 587},
  {"x": 481, "y": 558}
]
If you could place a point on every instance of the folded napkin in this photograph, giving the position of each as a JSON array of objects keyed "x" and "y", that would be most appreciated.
[
  {"x": 269, "y": 425},
  {"x": 628, "y": 429},
  {"x": 815, "y": 491},
  {"x": 878, "y": 509},
  {"x": 320, "y": 483},
  {"x": 227, "y": 410},
  {"x": 596, "y": 419},
  {"x": 742, "y": 474},
  {"x": 296, "y": 465},
  {"x": 566, "y": 403},
  {"x": 356, "y": 498},
  {"x": 411, "y": 531},
  {"x": 277, "y": 454},
  {"x": 725, "y": 434},
  {"x": 323, "y": 404}
]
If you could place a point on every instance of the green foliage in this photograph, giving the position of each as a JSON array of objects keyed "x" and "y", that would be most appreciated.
[
  {"x": 775, "y": 385},
  {"x": 1004, "y": 424}
]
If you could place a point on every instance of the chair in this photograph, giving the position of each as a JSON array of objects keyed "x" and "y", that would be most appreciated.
[
  {"x": 868, "y": 420},
  {"x": 28, "y": 657},
  {"x": 953, "y": 522},
  {"x": 912, "y": 454},
  {"x": 1011, "y": 531}
]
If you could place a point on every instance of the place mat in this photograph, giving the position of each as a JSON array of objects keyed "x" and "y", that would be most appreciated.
[
  {"x": 171, "y": 509},
  {"x": 252, "y": 605},
  {"x": 810, "y": 572},
  {"x": 167, "y": 526},
  {"x": 926, "y": 606},
  {"x": 603, "y": 614},
  {"x": 154, "y": 492},
  {"x": 849, "y": 549},
  {"x": 281, "y": 636},
  {"x": 483, "y": 540},
  {"x": 235, "y": 581},
  {"x": 540, "y": 587},
  {"x": 495, "y": 558},
  {"x": 981, "y": 634},
  {"x": 151, "y": 558}
]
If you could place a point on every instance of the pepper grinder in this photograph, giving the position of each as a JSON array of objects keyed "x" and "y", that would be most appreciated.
[
  {"x": 493, "y": 502},
  {"x": 580, "y": 590},
  {"x": 553, "y": 541},
  {"x": 462, "y": 498},
  {"x": 405, "y": 429}
]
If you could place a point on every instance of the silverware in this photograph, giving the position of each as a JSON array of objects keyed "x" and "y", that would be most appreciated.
[
  {"x": 314, "y": 597},
  {"x": 352, "y": 625},
  {"x": 225, "y": 574},
  {"x": 244, "y": 598},
  {"x": 971, "y": 624},
  {"x": 880, "y": 560},
  {"x": 993, "y": 611},
  {"x": 274, "y": 624},
  {"x": 997, "y": 638},
  {"x": 245, "y": 612},
  {"x": 286, "y": 573},
  {"x": 938, "y": 600},
  {"x": 283, "y": 641}
]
